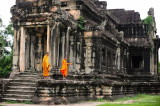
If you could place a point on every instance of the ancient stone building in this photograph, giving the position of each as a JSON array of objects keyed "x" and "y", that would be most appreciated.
[
  {"x": 95, "y": 39},
  {"x": 112, "y": 50}
]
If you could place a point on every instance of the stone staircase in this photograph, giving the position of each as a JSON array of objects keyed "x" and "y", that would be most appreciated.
[{"x": 22, "y": 88}]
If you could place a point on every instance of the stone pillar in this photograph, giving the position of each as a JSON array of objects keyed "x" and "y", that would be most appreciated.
[
  {"x": 156, "y": 60},
  {"x": 71, "y": 54},
  {"x": 51, "y": 44},
  {"x": 88, "y": 54},
  {"x": 33, "y": 50},
  {"x": 27, "y": 51},
  {"x": 67, "y": 42},
  {"x": 39, "y": 52},
  {"x": 54, "y": 48},
  {"x": 63, "y": 44},
  {"x": 118, "y": 53},
  {"x": 152, "y": 61},
  {"x": 16, "y": 48},
  {"x": 48, "y": 38},
  {"x": 22, "y": 50},
  {"x": 55, "y": 44}
]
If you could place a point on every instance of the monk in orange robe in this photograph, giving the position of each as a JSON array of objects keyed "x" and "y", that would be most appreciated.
[
  {"x": 46, "y": 66},
  {"x": 64, "y": 68}
]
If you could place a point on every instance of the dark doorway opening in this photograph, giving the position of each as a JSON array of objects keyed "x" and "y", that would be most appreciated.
[{"x": 136, "y": 62}]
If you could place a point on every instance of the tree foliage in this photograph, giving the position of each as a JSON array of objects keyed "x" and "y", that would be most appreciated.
[
  {"x": 148, "y": 21},
  {"x": 5, "y": 66},
  {"x": 81, "y": 23},
  {"x": 5, "y": 55},
  {"x": 9, "y": 30}
]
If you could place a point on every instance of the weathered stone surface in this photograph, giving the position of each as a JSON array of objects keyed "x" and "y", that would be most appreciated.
[{"x": 112, "y": 52}]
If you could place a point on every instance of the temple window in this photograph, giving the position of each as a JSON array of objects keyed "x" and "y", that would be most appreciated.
[{"x": 136, "y": 62}]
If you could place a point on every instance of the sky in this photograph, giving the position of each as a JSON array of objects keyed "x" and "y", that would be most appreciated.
[{"x": 141, "y": 6}]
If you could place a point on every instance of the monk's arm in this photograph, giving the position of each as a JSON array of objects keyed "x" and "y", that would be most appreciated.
[{"x": 69, "y": 63}]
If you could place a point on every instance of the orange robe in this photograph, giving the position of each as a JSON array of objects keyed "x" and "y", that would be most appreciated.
[
  {"x": 46, "y": 66},
  {"x": 64, "y": 68}
]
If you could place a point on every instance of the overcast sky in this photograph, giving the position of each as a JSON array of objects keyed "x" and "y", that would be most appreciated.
[{"x": 141, "y": 6}]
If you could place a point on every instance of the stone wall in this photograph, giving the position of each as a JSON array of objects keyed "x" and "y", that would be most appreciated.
[
  {"x": 74, "y": 91},
  {"x": 3, "y": 85},
  {"x": 1, "y": 90}
]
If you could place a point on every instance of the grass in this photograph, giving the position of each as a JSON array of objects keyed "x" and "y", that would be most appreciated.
[{"x": 139, "y": 100}]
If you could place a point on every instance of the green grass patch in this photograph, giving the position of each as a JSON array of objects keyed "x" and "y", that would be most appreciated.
[
  {"x": 11, "y": 102},
  {"x": 102, "y": 100},
  {"x": 139, "y": 100}
]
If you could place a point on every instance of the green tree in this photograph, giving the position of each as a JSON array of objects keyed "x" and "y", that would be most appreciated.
[
  {"x": 5, "y": 55},
  {"x": 148, "y": 21}
]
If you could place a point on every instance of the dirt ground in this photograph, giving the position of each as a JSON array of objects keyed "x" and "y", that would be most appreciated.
[{"x": 77, "y": 104}]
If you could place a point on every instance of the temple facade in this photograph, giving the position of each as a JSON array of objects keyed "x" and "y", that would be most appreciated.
[
  {"x": 113, "y": 52},
  {"x": 96, "y": 40}
]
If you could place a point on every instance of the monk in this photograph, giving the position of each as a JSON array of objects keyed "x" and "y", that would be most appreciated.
[
  {"x": 64, "y": 68},
  {"x": 46, "y": 66}
]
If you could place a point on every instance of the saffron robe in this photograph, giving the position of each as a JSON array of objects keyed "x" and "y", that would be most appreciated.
[
  {"x": 46, "y": 66},
  {"x": 64, "y": 68}
]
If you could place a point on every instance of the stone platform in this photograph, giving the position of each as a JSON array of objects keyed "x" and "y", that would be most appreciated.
[{"x": 76, "y": 88}]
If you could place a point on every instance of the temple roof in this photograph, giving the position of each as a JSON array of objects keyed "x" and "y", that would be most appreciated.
[{"x": 125, "y": 16}]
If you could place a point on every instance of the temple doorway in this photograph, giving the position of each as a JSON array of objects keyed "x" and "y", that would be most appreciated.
[{"x": 36, "y": 47}]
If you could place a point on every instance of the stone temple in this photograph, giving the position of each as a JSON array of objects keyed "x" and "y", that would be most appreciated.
[{"x": 113, "y": 52}]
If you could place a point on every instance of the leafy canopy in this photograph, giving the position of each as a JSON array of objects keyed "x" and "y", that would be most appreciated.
[{"x": 5, "y": 55}]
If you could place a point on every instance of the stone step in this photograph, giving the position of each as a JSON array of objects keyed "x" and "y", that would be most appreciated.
[
  {"x": 31, "y": 84},
  {"x": 143, "y": 80},
  {"x": 16, "y": 99},
  {"x": 24, "y": 80},
  {"x": 18, "y": 96},
  {"x": 21, "y": 88},
  {"x": 29, "y": 78},
  {"x": 28, "y": 75},
  {"x": 22, "y": 92},
  {"x": 23, "y": 83}
]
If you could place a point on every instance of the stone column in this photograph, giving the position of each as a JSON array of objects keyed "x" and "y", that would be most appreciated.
[
  {"x": 27, "y": 51},
  {"x": 51, "y": 46},
  {"x": 16, "y": 50},
  {"x": 156, "y": 60},
  {"x": 63, "y": 44},
  {"x": 48, "y": 38},
  {"x": 16, "y": 47},
  {"x": 67, "y": 42},
  {"x": 39, "y": 52},
  {"x": 55, "y": 44},
  {"x": 54, "y": 47},
  {"x": 88, "y": 54},
  {"x": 118, "y": 58},
  {"x": 71, "y": 55},
  {"x": 22, "y": 50}
]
